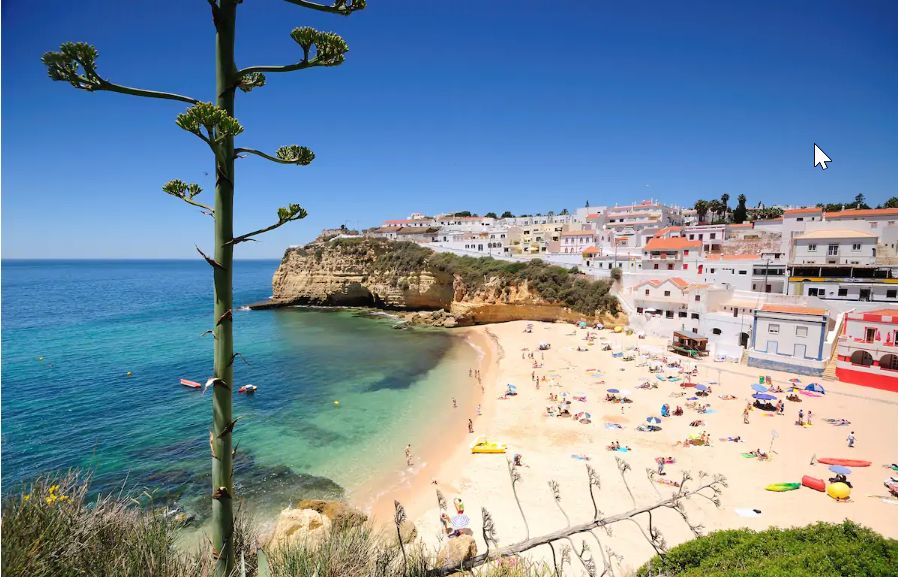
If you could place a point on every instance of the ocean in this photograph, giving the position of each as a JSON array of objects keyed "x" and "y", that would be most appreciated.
[{"x": 73, "y": 330}]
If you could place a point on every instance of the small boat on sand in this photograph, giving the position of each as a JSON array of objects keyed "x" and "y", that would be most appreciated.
[{"x": 191, "y": 384}]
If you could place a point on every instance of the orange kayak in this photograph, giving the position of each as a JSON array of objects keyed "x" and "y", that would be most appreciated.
[{"x": 844, "y": 462}]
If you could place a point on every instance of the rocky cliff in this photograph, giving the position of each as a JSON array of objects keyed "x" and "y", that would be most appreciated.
[{"x": 406, "y": 277}]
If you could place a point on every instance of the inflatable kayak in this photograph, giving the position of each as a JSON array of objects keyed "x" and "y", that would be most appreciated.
[
  {"x": 191, "y": 384},
  {"x": 813, "y": 483},
  {"x": 780, "y": 487},
  {"x": 488, "y": 447},
  {"x": 844, "y": 462}
]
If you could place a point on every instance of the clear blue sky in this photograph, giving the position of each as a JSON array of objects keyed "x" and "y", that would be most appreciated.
[{"x": 524, "y": 106}]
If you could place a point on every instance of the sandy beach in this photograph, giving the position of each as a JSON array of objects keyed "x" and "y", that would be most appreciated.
[{"x": 557, "y": 448}]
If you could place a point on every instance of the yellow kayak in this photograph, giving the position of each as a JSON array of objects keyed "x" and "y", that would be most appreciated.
[{"x": 484, "y": 446}]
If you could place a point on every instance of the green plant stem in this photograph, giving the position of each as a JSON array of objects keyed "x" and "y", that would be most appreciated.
[{"x": 222, "y": 418}]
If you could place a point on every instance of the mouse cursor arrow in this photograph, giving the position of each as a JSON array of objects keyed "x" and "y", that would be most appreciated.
[{"x": 820, "y": 158}]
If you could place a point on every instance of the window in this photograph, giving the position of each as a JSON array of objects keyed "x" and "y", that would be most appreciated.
[
  {"x": 833, "y": 250},
  {"x": 801, "y": 331},
  {"x": 685, "y": 266},
  {"x": 698, "y": 298},
  {"x": 856, "y": 246},
  {"x": 843, "y": 292},
  {"x": 668, "y": 314},
  {"x": 667, "y": 293},
  {"x": 682, "y": 314},
  {"x": 812, "y": 248},
  {"x": 686, "y": 252},
  {"x": 890, "y": 294},
  {"x": 743, "y": 272},
  {"x": 800, "y": 218},
  {"x": 656, "y": 266},
  {"x": 639, "y": 309},
  {"x": 869, "y": 334},
  {"x": 773, "y": 329},
  {"x": 713, "y": 235},
  {"x": 695, "y": 316},
  {"x": 716, "y": 331},
  {"x": 691, "y": 237},
  {"x": 735, "y": 311},
  {"x": 712, "y": 270},
  {"x": 812, "y": 292}
]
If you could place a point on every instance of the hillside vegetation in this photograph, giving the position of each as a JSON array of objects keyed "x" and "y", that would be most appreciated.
[{"x": 820, "y": 550}]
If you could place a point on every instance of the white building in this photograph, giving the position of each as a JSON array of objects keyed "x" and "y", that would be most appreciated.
[
  {"x": 790, "y": 338},
  {"x": 868, "y": 349},
  {"x": 835, "y": 246},
  {"x": 574, "y": 241}
]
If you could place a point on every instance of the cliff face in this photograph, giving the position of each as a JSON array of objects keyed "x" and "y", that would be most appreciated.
[
  {"x": 377, "y": 274},
  {"x": 335, "y": 274}
]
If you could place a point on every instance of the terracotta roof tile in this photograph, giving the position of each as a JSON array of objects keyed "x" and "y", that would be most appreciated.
[
  {"x": 805, "y": 210},
  {"x": 793, "y": 309},
  {"x": 859, "y": 213},
  {"x": 671, "y": 244}
]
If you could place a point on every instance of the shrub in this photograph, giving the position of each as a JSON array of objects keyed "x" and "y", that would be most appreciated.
[{"x": 820, "y": 550}]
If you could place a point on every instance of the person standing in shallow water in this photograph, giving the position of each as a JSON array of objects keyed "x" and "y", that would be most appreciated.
[
  {"x": 470, "y": 426},
  {"x": 408, "y": 454},
  {"x": 454, "y": 403}
]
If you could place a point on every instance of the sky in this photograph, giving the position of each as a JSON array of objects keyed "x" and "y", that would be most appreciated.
[{"x": 526, "y": 106}]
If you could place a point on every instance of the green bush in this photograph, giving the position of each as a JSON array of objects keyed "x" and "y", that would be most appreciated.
[{"x": 820, "y": 550}]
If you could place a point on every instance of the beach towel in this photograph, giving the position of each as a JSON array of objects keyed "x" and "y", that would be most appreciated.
[
  {"x": 748, "y": 455},
  {"x": 612, "y": 426},
  {"x": 622, "y": 449},
  {"x": 580, "y": 457}
]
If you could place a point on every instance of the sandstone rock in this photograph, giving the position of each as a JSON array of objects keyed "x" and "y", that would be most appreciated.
[
  {"x": 297, "y": 526},
  {"x": 456, "y": 550},
  {"x": 357, "y": 274},
  {"x": 341, "y": 514}
]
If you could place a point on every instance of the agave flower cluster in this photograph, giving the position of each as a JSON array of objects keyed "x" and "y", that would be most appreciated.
[{"x": 330, "y": 49}]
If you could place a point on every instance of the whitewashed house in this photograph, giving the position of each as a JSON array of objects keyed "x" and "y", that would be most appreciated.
[{"x": 789, "y": 338}]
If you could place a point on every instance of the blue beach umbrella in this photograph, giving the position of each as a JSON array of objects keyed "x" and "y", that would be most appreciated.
[
  {"x": 816, "y": 387},
  {"x": 653, "y": 420},
  {"x": 613, "y": 391},
  {"x": 759, "y": 388},
  {"x": 763, "y": 397},
  {"x": 701, "y": 387},
  {"x": 840, "y": 470}
]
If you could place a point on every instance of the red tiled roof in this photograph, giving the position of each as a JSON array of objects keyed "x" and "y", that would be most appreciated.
[
  {"x": 880, "y": 312},
  {"x": 860, "y": 213},
  {"x": 768, "y": 220},
  {"x": 577, "y": 233},
  {"x": 741, "y": 225},
  {"x": 590, "y": 250},
  {"x": 671, "y": 244},
  {"x": 656, "y": 282},
  {"x": 792, "y": 309},
  {"x": 668, "y": 229},
  {"x": 402, "y": 221},
  {"x": 805, "y": 210},
  {"x": 594, "y": 215}
]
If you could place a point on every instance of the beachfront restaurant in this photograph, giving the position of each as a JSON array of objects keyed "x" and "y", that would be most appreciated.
[{"x": 689, "y": 344}]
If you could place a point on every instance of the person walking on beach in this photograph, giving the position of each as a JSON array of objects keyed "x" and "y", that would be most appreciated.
[
  {"x": 478, "y": 410},
  {"x": 470, "y": 426},
  {"x": 851, "y": 440},
  {"x": 454, "y": 403},
  {"x": 745, "y": 414},
  {"x": 800, "y": 417},
  {"x": 810, "y": 415},
  {"x": 408, "y": 454}
]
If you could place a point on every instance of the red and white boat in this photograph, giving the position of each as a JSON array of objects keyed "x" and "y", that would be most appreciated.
[
  {"x": 248, "y": 389},
  {"x": 191, "y": 384}
]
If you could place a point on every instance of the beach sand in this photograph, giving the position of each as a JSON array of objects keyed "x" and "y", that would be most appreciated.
[{"x": 548, "y": 443}]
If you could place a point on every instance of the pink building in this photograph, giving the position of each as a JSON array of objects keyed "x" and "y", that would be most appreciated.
[{"x": 868, "y": 349}]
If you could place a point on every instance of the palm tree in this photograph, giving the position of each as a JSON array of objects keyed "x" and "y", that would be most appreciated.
[
  {"x": 725, "y": 199},
  {"x": 715, "y": 207},
  {"x": 701, "y": 209}
]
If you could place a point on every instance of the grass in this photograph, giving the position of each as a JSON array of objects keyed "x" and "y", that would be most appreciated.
[{"x": 51, "y": 529}]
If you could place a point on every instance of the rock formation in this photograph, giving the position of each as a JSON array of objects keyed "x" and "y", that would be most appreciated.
[{"x": 454, "y": 291}]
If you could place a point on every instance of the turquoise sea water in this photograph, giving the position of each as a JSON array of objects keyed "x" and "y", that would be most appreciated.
[{"x": 71, "y": 330}]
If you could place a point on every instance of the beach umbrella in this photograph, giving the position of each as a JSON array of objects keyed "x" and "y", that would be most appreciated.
[
  {"x": 653, "y": 420},
  {"x": 759, "y": 388},
  {"x": 461, "y": 521},
  {"x": 840, "y": 470},
  {"x": 701, "y": 387},
  {"x": 692, "y": 399},
  {"x": 512, "y": 388},
  {"x": 613, "y": 391},
  {"x": 816, "y": 387},
  {"x": 694, "y": 436},
  {"x": 763, "y": 397}
]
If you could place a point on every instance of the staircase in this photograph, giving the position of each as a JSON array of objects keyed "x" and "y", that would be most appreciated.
[{"x": 829, "y": 371}]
